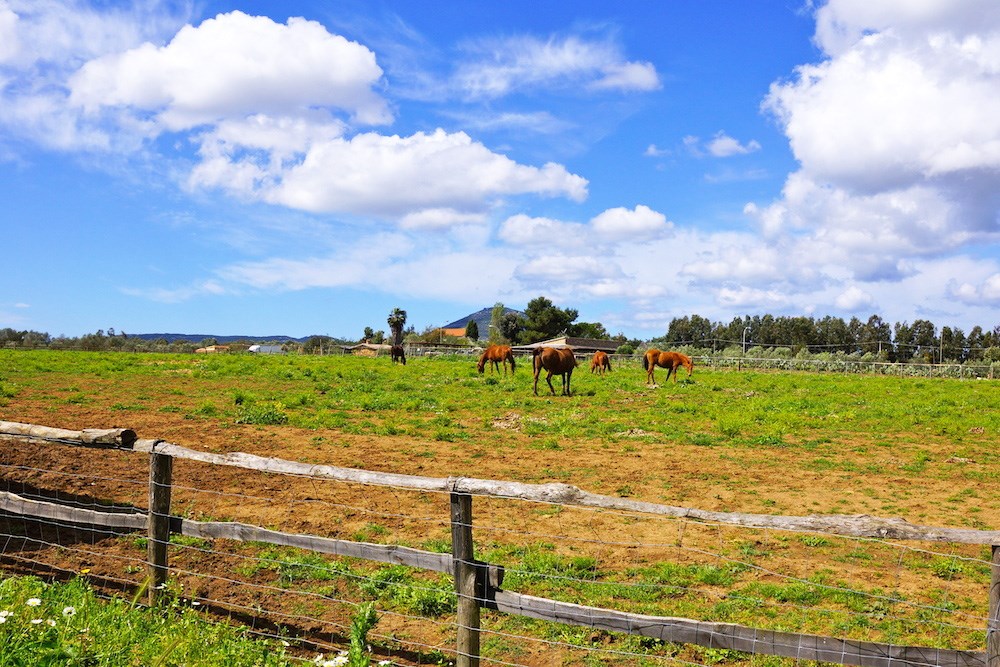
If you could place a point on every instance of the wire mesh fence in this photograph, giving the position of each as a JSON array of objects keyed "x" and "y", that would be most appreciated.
[{"x": 572, "y": 582}]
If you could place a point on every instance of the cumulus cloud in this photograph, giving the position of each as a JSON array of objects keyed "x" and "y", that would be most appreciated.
[
  {"x": 440, "y": 218},
  {"x": 854, "y": 299},
  {"x": 754, "y": 299},
  {"x": 392, "y": 175},
  {"x": 234, "y": 65},
  {"x": 499, "y": 67},
  {"x": 9, "y": 41},
  {"x": 525, "y": 230},
  {"x": 985, "y": 293},
  {"x": 909, "y": 101},
  {"x": 622, "y": 223},
  {"x": 897, "y": 132},
  {"x": 576, "y": 270},
  {"x": 723, "y": 145}
]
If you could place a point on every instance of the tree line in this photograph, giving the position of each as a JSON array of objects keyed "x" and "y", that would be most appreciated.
[
  {"x": 874, "y": 338},
  {"x": 900, "y": 342}
]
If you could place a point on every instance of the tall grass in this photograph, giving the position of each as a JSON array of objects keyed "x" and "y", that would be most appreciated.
[{"x": 66, "y": 624}]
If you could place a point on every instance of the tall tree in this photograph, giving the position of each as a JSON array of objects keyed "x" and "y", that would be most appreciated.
[
  {"x": 510, "y": 327},
  {"x": 587, "y": 330},
  {"x": 472, "y": 330},
  {"x": 396, "y": 322},
  {"x": 544, "y": 320},
  {"x": 496, "y": 335}
]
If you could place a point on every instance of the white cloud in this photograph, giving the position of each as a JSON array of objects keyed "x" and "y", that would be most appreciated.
[
  {"x": 567, "y": 270},
  {"x": 653, "y": 151},
  {"x": 738, "y": 259},
  {"x": 232, "y": 66},
  {"x": 854, "y": 299},
  {"x": 500, "y": 67},
  {"x": 908, "y": 98},
  {"x": 10, "y": 44},
  {"x": 42, "y": 42},
  {"x": 840, "y": 24},
  {"x": 898, "y": 137},
  {"x": 722, "y": 145},
  {"x": 440, "y": 218},
  {"x": 985, "y": 293},
  {"x": 641, "y": 222},
  {"x": 524, "y": 230},
  {"x": 393, "y": 176},
  {"x": 627, "y": 76},
  {"x": 754, "y": 299}
]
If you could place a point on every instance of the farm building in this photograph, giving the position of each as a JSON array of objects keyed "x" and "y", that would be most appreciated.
[
  {"x": 368, "y": 349},
  {"x": 578, "y": 344},
  {"x": 266, "y": 349},
  {"x": 212, "y": 349},
  {"x": 482, "y": 319}
]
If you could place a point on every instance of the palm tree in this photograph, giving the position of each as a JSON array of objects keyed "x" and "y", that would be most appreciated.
[{"x": 396, "y": 321}]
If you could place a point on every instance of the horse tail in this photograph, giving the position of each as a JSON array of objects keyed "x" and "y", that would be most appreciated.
[
  {"x": 510, "y": 358},
  {"x": 645, "y": 362}
]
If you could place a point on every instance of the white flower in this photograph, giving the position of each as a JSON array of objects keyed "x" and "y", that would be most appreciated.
[
  {"x": 33, "y": 602},
  {"x": 69, "y": 611},
  {"x": 36, "y": 621},
  {"x": 3, "y": 619},
  {"x": 51, "y": 623}
]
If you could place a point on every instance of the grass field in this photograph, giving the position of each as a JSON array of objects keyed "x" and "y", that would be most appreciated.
[{"x": 776, "y": 443}]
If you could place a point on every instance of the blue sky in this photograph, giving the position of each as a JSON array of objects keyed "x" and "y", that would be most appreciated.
[{"x": 303, "y": 168}]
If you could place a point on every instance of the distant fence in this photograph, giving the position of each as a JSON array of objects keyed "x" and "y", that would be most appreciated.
[{"x": 478, "y": 584}]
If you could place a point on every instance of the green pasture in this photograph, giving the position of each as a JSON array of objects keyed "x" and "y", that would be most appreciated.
[
  {"x": 359, "y": 394},
  {"x": 836, "y": 419},
  {"x": 888, "y": 443}
]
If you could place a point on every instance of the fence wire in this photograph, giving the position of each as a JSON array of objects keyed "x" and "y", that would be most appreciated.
[{"x": 850, "y": 588}]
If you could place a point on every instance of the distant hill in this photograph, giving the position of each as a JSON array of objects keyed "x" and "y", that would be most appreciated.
[
  {"x": 482, "y": 319},
  {"x": 195, "y": 338}
]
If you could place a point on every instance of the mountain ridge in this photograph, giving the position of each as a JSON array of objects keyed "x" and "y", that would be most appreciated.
[{"x": 195, "y": 338}]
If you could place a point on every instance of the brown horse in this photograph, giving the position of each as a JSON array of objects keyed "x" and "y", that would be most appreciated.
[
  {"x": 496, "y": 355},
  {"x": 398, "y": 354},
  {"x": 600, "y": 363},
  {"x": 669, "y": 360},
  {"x": 557, "y": 361}
]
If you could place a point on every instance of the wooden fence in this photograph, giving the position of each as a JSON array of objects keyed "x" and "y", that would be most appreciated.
[{"x": 479, "y": 585}]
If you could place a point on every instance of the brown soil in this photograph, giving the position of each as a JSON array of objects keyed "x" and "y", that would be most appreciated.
[{"x": 766, "y": 481}]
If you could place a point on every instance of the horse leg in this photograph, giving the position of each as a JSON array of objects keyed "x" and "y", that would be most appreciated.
[
  {"x": 548, "y": 378},
  {"x": 566, "y": 379}
]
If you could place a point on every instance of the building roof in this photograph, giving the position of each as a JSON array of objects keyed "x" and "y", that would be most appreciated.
[{"x": 578, "y": 344}]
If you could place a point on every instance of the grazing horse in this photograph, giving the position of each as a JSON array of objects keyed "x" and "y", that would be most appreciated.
[
  {"x": 600, "y": 363},
  {"x": 557, "y": 361},
  {"x": 669, "y": 360},
  {"x": 398, "y": 354},
  {"x": 496, "y": 355}
]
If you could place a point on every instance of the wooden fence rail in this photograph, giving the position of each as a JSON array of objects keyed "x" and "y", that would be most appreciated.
[{"x": 478, "y": 584}]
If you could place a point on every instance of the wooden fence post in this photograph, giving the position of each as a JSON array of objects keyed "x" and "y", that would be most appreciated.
[
  {"x": 158, "y": 536},
  {"x": 993, "y": 620},
  {"x": 467, "y": 644}
]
